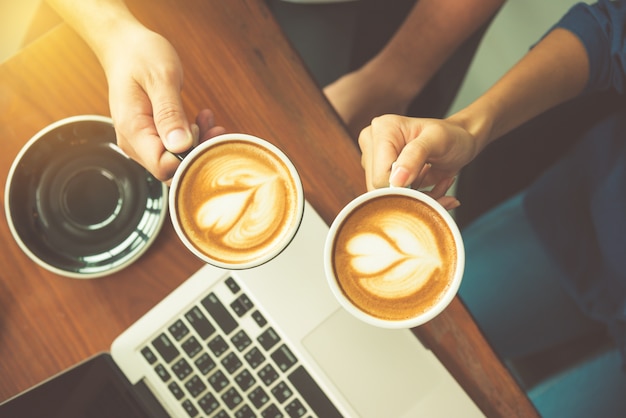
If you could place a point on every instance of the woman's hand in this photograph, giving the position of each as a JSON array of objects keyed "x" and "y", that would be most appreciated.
[{"x": 403, "y": 151}]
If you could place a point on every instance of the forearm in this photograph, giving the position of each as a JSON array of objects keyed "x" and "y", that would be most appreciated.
[
  {"x": 554, "y": 71},
  {"x": 431, "y": 33},
  {"x": 98, "y": 22}
]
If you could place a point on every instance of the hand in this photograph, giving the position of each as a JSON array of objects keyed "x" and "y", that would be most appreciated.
[
  {"x": 404, "y": 151},
  {"x": 145, "y": 80}
]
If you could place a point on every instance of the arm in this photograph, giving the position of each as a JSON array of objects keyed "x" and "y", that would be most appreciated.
[
  {"x": 585, "y": 51},
  {"x": 431, "y": 33},
  {"x": 564, "y": 64},
  {"x": 556, "y": 70},
  {"x": 145, "y": 80}
]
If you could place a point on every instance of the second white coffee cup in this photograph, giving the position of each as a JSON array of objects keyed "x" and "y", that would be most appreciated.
[{"x": 394, "y": 258}]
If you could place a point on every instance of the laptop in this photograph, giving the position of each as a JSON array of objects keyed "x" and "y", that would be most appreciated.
[{"x": 265, "y": 342}]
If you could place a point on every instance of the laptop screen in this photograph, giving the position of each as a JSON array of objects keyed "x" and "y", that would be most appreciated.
[{"x": 95, "y": 388}]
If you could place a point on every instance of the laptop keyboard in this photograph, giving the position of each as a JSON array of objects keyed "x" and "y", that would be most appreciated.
[{"x": 222, "y": 358}]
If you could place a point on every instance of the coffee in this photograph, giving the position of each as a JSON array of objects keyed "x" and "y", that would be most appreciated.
[
  {"x": 237, "y": 202},
  {"x": 394, "y": 257}
]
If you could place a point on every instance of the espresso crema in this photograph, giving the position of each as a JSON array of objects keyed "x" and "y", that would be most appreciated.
[
  {"x": 237, "y": 202},
  {"x": 394, "y": 257}
]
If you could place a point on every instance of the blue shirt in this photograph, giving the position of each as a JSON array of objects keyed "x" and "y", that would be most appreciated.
[{"x": 578, "y": 207}]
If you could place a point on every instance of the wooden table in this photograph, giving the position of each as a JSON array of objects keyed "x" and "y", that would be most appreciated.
[{"x": 237, "y": 63}]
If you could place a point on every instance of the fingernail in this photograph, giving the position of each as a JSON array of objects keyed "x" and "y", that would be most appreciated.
[
  {"x": 399, "y": 176},
  {"x": 177, "y": 140}
]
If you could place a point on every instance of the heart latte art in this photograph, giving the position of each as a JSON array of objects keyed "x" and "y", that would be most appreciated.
[
  {"x": 237, "y": 202},
  {"x": 394, "y": 257}
]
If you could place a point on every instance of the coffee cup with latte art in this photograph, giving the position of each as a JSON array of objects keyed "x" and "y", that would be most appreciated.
[
  {"x": 394, "y": 258},
  {"x": 236, "y": 201}
]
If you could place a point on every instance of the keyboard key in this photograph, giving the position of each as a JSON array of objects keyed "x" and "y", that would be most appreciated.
[
  {"x": 181, "y": 369},
  {"x": 295, "y": 409},
  {"x": 218, "y": 381},
  {"x": 199, "y": 322},
  {"x": 284, "y": 358},
  {"x": 245, "y": 412},
  {"x": 164, "y": 346},
  {"x": 231, "y": 363},
  {"x": 268, "y": 339},
  {"x": 191, "y": 410},
  {"x": 242, "y": 305},
  {"x": 232, "y": 285},
  {"x": 162, "y": 372},
  {"x": 268, "y": 374},
  {"x": 191, "y": 346},
  {"x": 241, "y": 340},
  {"x": 259, "y": 319},
  {"x": 232, "y": 398},
  {"x": 195, "y": 386},
  {"x": 281, "y": 392},
  {"x": 245, "y": 380},
  {"x": 218, "y": 346},
  {"x": 221, "y": 414},
  {"x": 176, "y": 390},
  {"x": 205, "y": 363},
  {"x": 312, "y": 394},
  {"x": 148, "y": 355},
  {"x": 254, "y": 357},
  {"x": 219, "y": 312},
  {"x": 258, "y": 397},
  {"x": 208, "y": 403},
  {"x": 178, "y": 330},
  {"x": 271, "y": 412}
]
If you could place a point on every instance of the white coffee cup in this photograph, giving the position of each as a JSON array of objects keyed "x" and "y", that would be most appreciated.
[
  {"x": 236, "y": 201},
  {"x": 394, "y": 258}
]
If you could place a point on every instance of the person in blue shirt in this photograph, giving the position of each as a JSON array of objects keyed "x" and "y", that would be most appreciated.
[{"x": 547, "y": 266}]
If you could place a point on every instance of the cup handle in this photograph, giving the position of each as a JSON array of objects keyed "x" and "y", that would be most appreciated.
[{"x": 183, "y": 154}]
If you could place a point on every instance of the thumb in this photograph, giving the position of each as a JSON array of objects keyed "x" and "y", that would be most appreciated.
[
  {"x": 171, "y": 122},
  {"x": 411, "y": 165}
]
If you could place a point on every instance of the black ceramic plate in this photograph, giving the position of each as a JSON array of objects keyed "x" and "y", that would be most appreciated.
[{"x": 77, "y": 205}]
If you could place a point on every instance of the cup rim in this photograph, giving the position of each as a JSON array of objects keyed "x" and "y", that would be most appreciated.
[
  {"x": 439, "y": 306},
  {"x": 219, "y": 139}
]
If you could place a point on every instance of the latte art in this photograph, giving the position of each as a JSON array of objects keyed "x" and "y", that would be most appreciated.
[
  {"x": 247, "y": 205},
  {"x": 237, "y": 202},
  {"x": 394, "y": 257}
]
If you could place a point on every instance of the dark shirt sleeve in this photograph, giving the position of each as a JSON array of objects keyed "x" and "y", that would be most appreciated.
[{"x": 601, "y": 29}]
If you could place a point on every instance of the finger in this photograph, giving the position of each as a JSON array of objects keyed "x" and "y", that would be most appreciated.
[
  {"x": 214, "y": 131},
  {"x": 449, "y": 202},
  {"x": 206, "y": 122},
  {"x": 195, "y": 134},
  {"x": 412, "y": 162},
  {"x": 387, "y": 141},
  {"x": 365, "y": 143},
  {"x": 154, "y": 157},
  {"x": 169, "y": 117},
  {"x": 440, "y": 189},
  {"x": 147, "y": 149}
]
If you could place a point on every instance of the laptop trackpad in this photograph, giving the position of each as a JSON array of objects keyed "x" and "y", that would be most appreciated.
[{"x": 384, "y": 372}]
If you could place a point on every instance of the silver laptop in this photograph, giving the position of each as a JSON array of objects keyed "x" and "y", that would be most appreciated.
[{"x": 265, "y": 342}]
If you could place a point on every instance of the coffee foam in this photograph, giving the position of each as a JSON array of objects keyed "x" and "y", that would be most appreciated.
[
  {"x": 394, "y": 257},
  {"x": 236, "y": 202}
]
